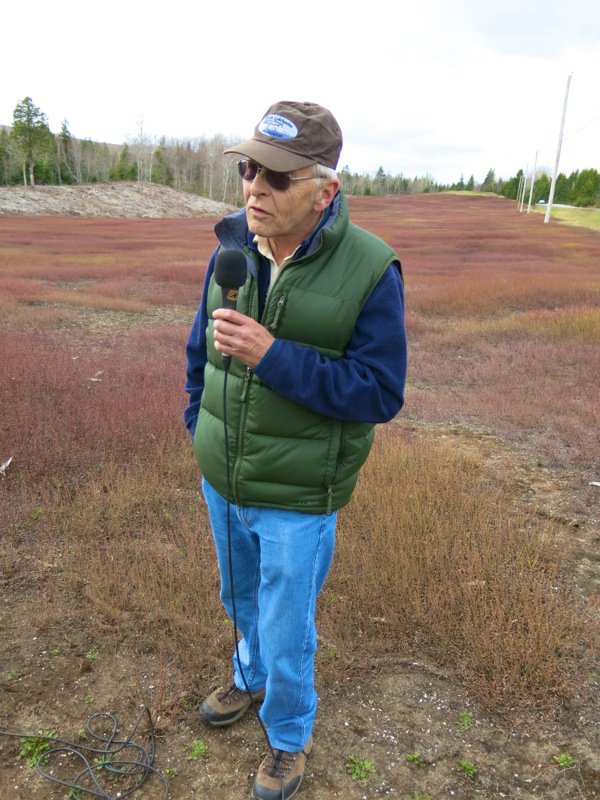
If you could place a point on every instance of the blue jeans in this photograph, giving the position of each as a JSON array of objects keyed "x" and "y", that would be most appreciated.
[{"x": 280, "y": 560}]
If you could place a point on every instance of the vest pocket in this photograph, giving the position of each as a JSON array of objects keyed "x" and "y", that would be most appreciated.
[{"x": 330, "y": 467}]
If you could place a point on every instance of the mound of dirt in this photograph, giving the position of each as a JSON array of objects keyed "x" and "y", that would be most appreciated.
[{"x": 108, "y": 200}]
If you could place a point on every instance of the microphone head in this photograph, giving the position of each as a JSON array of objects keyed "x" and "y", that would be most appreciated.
[
  {"x": 230, "y": 274},
  {"x": 230, "y": 269}
]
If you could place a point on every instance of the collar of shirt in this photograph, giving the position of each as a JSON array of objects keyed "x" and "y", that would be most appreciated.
[{"x": 263, "y": 247}]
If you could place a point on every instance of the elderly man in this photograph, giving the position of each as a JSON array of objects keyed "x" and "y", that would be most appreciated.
[{"x": 284, "y": 391}]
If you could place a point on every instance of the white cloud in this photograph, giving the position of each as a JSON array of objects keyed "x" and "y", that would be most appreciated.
[{"x": 444, "y": 87}]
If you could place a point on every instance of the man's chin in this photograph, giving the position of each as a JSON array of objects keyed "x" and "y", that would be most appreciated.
[{"x": 256, "y": 227}]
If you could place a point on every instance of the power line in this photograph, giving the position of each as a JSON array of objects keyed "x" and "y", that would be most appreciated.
[{"x": 583, "y": 127}]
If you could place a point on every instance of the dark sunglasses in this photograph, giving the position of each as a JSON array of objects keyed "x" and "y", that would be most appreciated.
[{"x": 280, "y": 181}]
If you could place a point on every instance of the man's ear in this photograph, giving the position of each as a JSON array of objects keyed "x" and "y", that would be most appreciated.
[{"x": 326, "y": 194}]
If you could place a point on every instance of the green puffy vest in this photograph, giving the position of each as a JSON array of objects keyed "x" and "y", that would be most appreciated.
[{"x": 281, "y": 454}]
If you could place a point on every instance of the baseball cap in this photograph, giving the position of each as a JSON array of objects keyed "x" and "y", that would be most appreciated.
[{"x": 292, "y": 135}]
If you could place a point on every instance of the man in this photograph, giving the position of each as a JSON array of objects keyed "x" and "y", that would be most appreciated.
[{"x": 310, "y": 359}]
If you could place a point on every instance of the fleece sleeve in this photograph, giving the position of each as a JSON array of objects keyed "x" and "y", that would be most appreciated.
[
  {"x": 367, "y": 383},
  {"x": 196, "y": 358}
]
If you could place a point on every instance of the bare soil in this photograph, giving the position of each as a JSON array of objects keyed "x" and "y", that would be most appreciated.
[{"x": 55, "y": 674}]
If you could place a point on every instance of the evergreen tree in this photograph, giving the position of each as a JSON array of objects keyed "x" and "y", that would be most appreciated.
[
  {"x": 562, "y": 189},
  {"x": 87, "y": 162},
  {"x": 510, "y": 188},
  {"x": 161, "y": 169},
  {"x": 586, "y": 189},
  {"x": 5, "y": 170},
  {"x": 31, "y": 136},
  {"x": 489, "y": 183},
  {"x": 541, "y": 189},
  {"x": 124, "y": 169},
  {"x": 571, "y": 180},
  {"x": 380, "y": 184},
  {"x": 64, "y": 147}
]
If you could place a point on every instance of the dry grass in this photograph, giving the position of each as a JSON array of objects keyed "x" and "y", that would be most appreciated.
[
  {"x": 432, "y": 562},
  {"x": 138, "y": 550},
  {"x": 568, "y": 322},
  {"x": 438, "y": 558}
]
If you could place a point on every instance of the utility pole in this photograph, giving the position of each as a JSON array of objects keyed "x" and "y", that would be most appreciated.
[
  {"x": 532, "y": 182},
  {"x": 524, "y": 188},
  {"x": 560, "y": 137},
  {"x": 520, "y": 188}
]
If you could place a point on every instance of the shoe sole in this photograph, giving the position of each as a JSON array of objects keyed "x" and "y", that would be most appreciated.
[
  {"x": 288, "y": 797},
  {"x": 222, "y": 723},
  {"x": 225, "y": 721}
]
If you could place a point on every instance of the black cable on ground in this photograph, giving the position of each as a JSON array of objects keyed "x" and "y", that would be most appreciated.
[{"x": 124, "y": 763}]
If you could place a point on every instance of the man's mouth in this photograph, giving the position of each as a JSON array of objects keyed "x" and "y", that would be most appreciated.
[{"x": 258, "y": 212}]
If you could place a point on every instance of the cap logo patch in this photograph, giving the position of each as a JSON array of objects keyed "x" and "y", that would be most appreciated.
[{"x": 278, "y": 127}]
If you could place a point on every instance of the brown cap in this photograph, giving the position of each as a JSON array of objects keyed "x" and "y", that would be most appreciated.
[{"x": 293, "y": 135}]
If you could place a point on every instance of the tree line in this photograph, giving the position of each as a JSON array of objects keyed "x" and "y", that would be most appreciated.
[
  {"x": 580, "y": 188},
  {"x": 31, "y": 154}
]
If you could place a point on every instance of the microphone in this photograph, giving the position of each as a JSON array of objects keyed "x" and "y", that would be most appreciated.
[{"x": 230, "y": 274}]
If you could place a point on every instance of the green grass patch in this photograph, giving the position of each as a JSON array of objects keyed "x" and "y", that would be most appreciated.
[{"x": 579, "y": 217}]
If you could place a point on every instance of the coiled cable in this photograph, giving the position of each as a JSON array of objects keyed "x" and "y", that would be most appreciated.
[{"x": 126, "y": 764}]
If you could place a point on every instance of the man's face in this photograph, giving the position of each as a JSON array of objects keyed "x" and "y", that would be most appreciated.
[{"x": 290, "y": 214}]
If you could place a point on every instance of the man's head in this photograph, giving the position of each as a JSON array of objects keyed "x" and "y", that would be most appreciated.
[
  {"x": 292, "y": 135},
  {"x": 288, "y": 172}
]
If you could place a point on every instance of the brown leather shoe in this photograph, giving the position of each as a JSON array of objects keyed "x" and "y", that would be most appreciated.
[
  {"x": 280, "y": 774},
  {"x": 228, "y": 704}
]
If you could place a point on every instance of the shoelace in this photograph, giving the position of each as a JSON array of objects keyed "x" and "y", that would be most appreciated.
[
  {"x": 280, "y": 763},
  {"x": 229, "y": 695}
]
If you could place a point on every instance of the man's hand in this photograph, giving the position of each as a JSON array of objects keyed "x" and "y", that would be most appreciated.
[{"x": 240, "y": 336}]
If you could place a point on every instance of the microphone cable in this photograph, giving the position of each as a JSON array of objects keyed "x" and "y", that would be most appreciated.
[
  {"x": 253, "y": 702},
  {"x": 124, "y": 763}
]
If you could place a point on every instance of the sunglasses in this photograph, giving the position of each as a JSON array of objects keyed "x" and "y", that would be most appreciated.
[{"x": 280, "y": 181}]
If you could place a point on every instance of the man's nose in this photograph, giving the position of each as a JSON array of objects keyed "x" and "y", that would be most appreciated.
[{"x": 259, "y": 184}]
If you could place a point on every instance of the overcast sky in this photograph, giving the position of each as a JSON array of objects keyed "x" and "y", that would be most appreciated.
[{"x": 439, "y": 87}]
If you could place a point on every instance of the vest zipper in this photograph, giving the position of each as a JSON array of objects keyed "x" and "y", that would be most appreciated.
[
  {"x": 329, "y": 499},
  {"x": 246, "y": 384},
  {"x": 278, "y": 311},
  {"x": 241, "y": 433}
]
